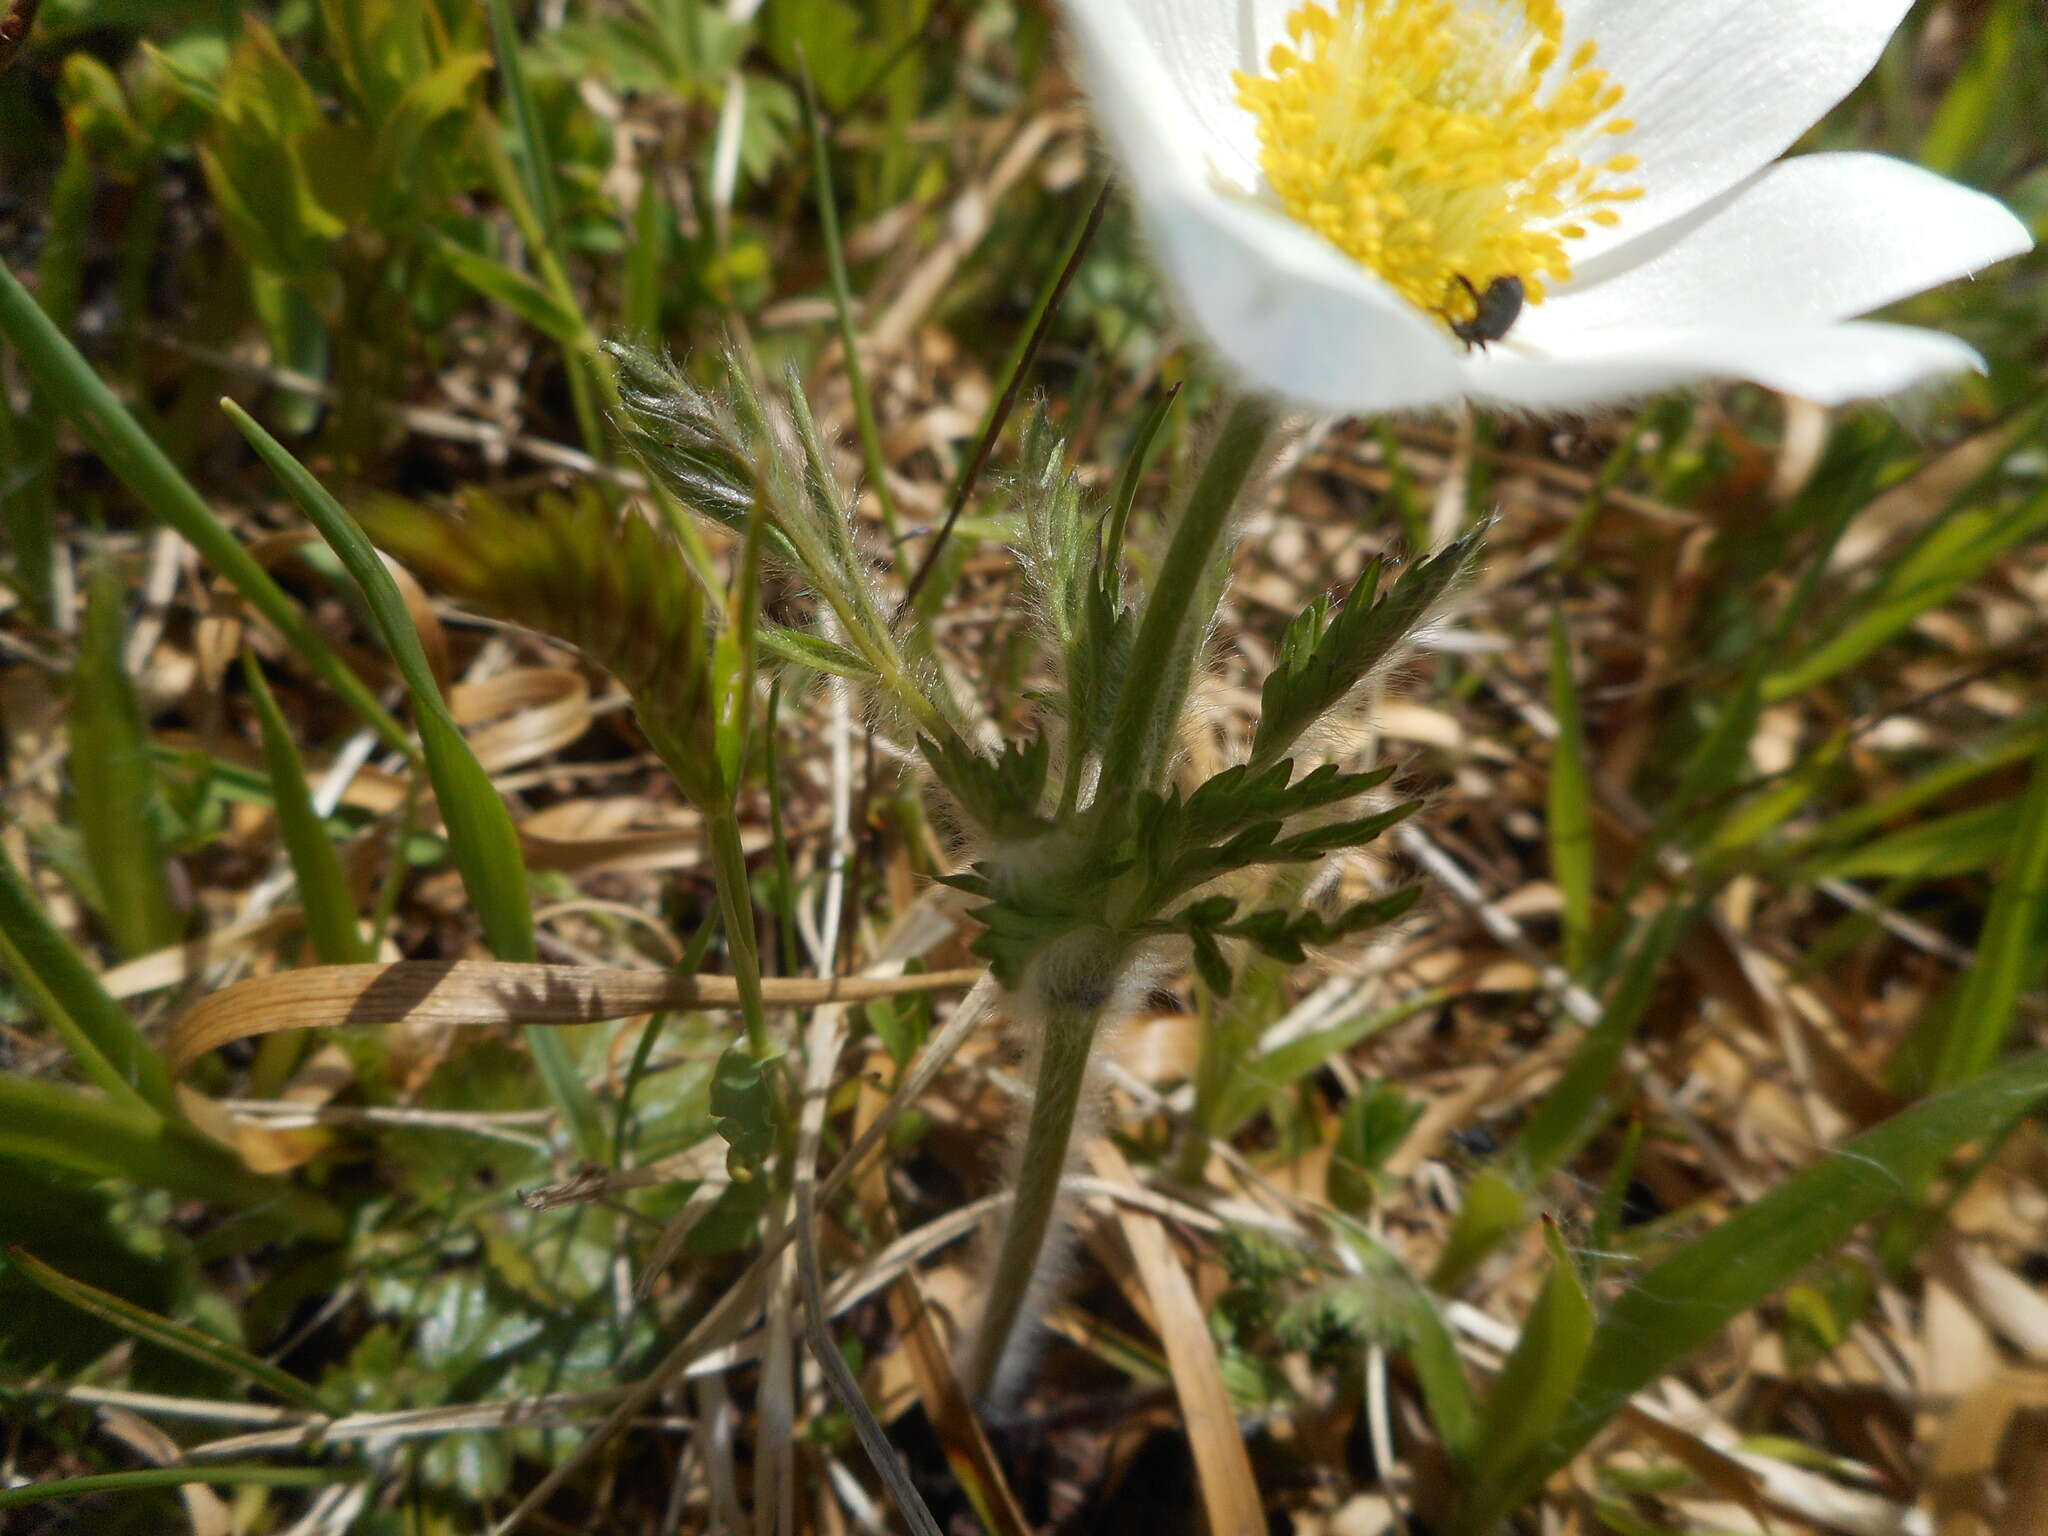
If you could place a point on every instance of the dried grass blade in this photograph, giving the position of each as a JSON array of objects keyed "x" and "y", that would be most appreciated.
[
  {"x": 827, "y": 1035},
  {"x": 1230, "y": 1494},
  {"x": 487, "y": 992}
]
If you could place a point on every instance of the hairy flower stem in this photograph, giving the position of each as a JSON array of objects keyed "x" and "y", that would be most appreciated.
[
  {"x": 1165, "y": 653},
  {"x": 1068, "y": 1036}
]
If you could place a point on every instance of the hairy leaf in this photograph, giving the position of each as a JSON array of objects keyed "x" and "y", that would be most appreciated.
[{"x": 1324, "y": 656}]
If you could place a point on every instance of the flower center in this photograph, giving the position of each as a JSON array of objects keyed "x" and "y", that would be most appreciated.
[{"x": 1441, "y": 144}]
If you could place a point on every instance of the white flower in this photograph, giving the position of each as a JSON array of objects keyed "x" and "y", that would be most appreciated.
[{"x": 1332, "y": 189}]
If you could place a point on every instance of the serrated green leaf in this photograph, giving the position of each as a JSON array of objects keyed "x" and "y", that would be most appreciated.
[
  {"x": 1416, "y": 1328},
  {"x": 1210, "y": 963},
  {"x": 1323, "y": 657}
]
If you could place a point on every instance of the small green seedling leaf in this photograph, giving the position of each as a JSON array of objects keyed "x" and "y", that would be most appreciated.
[
  {"x": 1375, "y": 1124},
  {"x": 1493, "y": 1211},
  {"x": 743, "y": 1111}
]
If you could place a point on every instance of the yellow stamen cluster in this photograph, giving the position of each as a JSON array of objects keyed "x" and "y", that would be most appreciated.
[{"x": 1435, "y": 140}]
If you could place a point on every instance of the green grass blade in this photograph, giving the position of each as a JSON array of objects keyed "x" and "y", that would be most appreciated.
[
  {"x": 114, "y": 783},
  {"x": 842, "y": 302},
  {"x": 1575, "y": 1108},
  {"x": 480, "y": 832},
  {"x": 1960, "y": 843},
  {"x": 68, "y": 382},
  {"x": 1974, "y": 108},
  {"x": 231, "y": 1475},
  {"x": 1607, "y": 1217},
  {"x": 2009, "y": 954},
  {"x": 323, "y": 888},
  {"x": 647, "y": 266},
  {"x": 1955, "y": 551},
  {"x": 168, "y": 1334},
  {"x": 1136, "y": 462},
  {"x": 539, "y": 308},
  {"x": 1535, "y": 1385},
  {"x": 1753, "y": 818},
  {"x": 67, "y": 992},
  {"x": 1016, "y": 369},
  {"x": 60, "y": 1126},
  {"x": 27, "y": 510},
  {"x": 2011, "y": 743},
  {"x": 1697, "y": 1291},
  {"x": 1570, "y": 803},
  {"x": 536, "y": 159}
]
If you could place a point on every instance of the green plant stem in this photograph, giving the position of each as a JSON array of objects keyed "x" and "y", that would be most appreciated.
[
  {"x": 1067, "y": 1037},
  {"x": 736, "y": 912},
  {"x": 1156, "y": 681}
]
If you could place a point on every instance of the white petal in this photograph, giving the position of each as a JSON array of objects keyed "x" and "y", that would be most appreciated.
[
  {"x": 1282, "y": 307},
  {"x": 1171, "y": 61},
  {"x": 1292, "y": 314},
  {"x": 1718, "y": 89},
  {"x": 1820, "y": 237},
  {"x": 1827, "y": 363}
]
